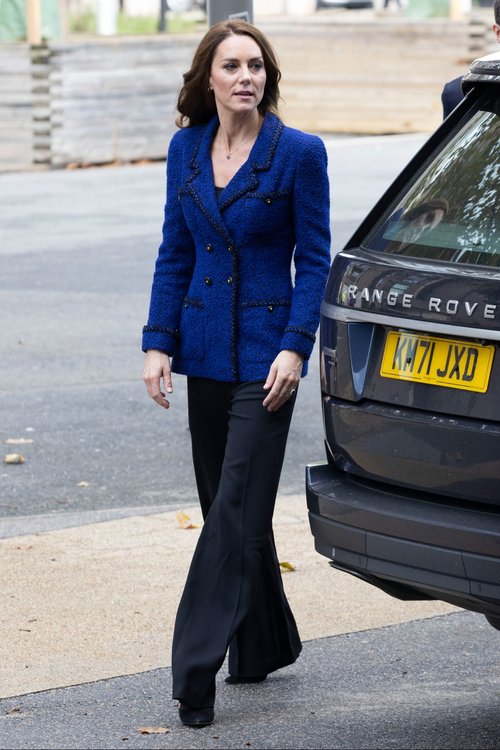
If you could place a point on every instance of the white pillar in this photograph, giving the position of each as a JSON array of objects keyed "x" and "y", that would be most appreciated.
[
  {"x": 460, "y": 8},
  {"x": 269, "y": 7},
  {"x": 107, "y": 17},
  {"x": 300, "y": 7}
]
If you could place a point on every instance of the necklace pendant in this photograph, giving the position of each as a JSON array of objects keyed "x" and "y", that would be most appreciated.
[{"x": 228, "y": 156}]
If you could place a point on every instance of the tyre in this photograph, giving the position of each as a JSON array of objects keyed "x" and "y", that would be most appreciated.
[{"x": 494, "y": 621}]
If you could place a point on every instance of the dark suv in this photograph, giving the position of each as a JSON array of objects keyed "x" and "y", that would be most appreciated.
[{"x": 409, "y": 497}]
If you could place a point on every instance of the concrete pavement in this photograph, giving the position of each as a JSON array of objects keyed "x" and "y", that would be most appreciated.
[{"x": 98, "y": 601}]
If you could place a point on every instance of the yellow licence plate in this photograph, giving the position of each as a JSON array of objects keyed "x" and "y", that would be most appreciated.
[{"x": 448, "y": 362}]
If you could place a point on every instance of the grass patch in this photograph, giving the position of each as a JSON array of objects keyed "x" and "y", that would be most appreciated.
[
  {"x": 137, "y": 24},
  {"x": 176, "y": 23},
  {"x": 82, "y": 23}
]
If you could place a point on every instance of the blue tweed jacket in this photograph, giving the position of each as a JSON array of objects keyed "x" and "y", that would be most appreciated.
[{"x": 223, "y": 302}]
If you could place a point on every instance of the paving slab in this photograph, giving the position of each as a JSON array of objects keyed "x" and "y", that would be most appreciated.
[{"x": 92, "y": 602}]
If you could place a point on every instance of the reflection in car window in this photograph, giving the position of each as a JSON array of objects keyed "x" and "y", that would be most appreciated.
[{"x": 451, "y": 212}]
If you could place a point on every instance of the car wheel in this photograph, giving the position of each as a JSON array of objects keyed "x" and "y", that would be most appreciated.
[{"x": 494, "y": 621}]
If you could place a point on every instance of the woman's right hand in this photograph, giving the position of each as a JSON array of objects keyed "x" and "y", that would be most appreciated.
[{"x": 156, "y": 367}]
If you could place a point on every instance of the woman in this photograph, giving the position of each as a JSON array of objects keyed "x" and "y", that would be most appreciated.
[{"x": 245, "y": 196}]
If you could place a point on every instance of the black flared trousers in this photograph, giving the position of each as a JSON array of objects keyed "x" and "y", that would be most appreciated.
[{"x": 233, "y": 597}]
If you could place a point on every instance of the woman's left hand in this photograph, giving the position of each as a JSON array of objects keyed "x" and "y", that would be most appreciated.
[{"x": 283, "y": 379}]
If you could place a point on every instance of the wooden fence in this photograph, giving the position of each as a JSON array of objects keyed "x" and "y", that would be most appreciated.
[
  {"x": 16, "y": 107},
  {"x": 367, "y": 78},
  {"x": 113, "y": 100}
]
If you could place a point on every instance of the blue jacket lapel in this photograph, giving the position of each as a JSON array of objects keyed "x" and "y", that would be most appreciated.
[
  {"x": 200, "y": 182},
  {"x": 260, "y": 158}
]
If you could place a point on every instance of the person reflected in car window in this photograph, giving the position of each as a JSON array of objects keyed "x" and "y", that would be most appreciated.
[
  {"x": 421, "y": 220},
  {"x": 406, "y": 227}
]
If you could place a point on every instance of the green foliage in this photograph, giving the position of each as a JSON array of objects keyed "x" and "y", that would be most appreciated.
[
  {"x": 82, "y": 23},
  {"x": 86, "y": 23},
  {"x": 133, "y": 25},
  {"x": 178, "y": 24}
]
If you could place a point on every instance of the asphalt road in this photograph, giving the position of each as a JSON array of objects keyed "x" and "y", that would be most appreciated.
[
  {"x": 77, "y": 251},
  {"x": 425, "y": 685}
]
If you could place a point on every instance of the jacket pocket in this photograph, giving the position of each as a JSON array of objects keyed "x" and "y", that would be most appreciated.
[
  {"x": 265, "y": 212},
  {"x": 192, "y": 329},
  {"x": 262, "y": 326}
]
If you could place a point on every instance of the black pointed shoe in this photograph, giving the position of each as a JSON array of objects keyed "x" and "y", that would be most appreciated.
[
  {"x": 232, "y": 680},
  {"x": 195, "y": 717}
]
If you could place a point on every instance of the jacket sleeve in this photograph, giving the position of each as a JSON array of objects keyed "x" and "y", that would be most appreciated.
[
  {"x": 311, "y": 210},
  {"x": 174, "y": 265}
]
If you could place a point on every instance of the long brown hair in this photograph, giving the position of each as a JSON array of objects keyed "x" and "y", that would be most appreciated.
[{"x": 196, "y": 104}]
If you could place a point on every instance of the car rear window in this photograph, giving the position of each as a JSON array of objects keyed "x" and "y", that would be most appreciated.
[{"x": 450, "y": 212}]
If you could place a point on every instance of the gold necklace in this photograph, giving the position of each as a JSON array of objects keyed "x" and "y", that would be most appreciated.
[{"x": 230, "y": 153}]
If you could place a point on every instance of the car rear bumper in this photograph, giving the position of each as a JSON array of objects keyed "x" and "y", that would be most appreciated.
[{"x": 408, "y": 545}]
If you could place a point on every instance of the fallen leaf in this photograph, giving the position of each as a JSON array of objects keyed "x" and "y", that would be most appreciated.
[
  {"x": 18, "y": 441},
  {"x": 286, "y": 566},
  {"x": 185, "y": 521},
  {"x": 14, "y": 710},
  {"x": 14, "y": 458},
  {"x": 83, "y": 484},
  {"x": 153, "y": 730}
]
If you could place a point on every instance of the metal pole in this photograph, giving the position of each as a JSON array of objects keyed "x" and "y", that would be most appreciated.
[
  {"x": 218, "y": 10},
  {"x": 33, "y": 22},
  {"x": 162, "y": 22}
]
